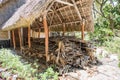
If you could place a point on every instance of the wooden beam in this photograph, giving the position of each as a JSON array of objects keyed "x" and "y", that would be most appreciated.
[
  {"x": 20, "y": 37},
  {"x": 29, "y": 41},
  {"x": 49, "y": 8},
  {"x": 65, "y": 23},
  {"x": 52, "y": 18},
  {"x": 57, "y": 14},
  {"x": 67, "y": 15},
  {"x": 13, "y": 38},
  {"x": 72, "y": 13},
  {"x": 62, "y": 17},
  {"x": 77, "y": 10},
  {"x": 61, "y": 8},
  {"x": 64, "y": 2},
  {"x": 46, "y": 37},
  {"x": 83, "y": 28}
]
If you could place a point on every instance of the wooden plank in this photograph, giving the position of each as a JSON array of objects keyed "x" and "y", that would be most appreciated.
[
  {"x": 64, "y": 2},
  {"x": 13, "y": 38},
  {"x": 20, "y": 37},
  {"x": 46, "y": 37},
  {"x": 29, "y": 41}
]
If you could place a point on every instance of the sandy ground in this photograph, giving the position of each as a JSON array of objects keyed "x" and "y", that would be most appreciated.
[{"x": 109, "y": 70}]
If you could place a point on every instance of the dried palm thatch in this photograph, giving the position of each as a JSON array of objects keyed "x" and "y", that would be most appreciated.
[
  {"x": 59, "y": 12},
  {"x": 7, "y": 9}
]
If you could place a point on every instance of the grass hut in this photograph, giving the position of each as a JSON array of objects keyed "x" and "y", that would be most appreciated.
[{"x": 50, "y": 15}]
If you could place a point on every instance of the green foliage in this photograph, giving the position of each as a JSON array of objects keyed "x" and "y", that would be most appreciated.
[
  {"x": 106, "y": 22},
  {"x": 49, "y": 74},
  {"x": 11, "y": 61},
  {"x": 113, "y": 46},
  {"x": 102, "y": 33},
  {"x": 112, "y": 13}
]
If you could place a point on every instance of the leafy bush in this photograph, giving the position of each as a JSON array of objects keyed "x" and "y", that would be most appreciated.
[
  {"x": 113, "y": 46},
  {"x": 49, "y": 74},
  {"x": 11, "y": 61},
  {"x": 101, "y": 33},
  {"x": 107, "y": 21}
]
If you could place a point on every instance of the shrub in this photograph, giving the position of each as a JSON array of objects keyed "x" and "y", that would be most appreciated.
[
  {"x": 49, "y": 74},
  {"x": 11, "y": 61}
]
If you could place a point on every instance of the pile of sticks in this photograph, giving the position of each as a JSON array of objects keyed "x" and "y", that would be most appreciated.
[{"x": 63, "y": 51}]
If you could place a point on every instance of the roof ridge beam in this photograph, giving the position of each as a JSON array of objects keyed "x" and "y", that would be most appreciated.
[{"x": 64, "y": 2}]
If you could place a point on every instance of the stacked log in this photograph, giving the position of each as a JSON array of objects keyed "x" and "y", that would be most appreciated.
[{"x": 63, "y": 51}]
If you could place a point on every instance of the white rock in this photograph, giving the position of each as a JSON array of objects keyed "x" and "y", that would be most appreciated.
[
  {"x": 101, "y": 52},
  {"x": 14, "y": 77},
  {"x": 113, "y": 57},
  {"x": 104, "y": 53}
]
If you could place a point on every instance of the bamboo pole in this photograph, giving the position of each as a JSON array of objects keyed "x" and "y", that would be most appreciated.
[
  {"x": 46, "y": 37},
  {"x": 29, "y": 42},
  {"x": 9, "y": 35},
  {"x": 64, "y": 2},
  {"x": 64, "y": 30},
  {"x": 10, "y": 38},
  {"x": 13, "y": 38},
  {"x": 83, "y": 28},
  {"x": 20, "y": 37}
]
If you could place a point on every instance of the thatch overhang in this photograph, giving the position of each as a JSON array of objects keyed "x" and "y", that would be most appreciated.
[
  {"x": 60, "y": 14},
  {"x": 8, "y": 8}
]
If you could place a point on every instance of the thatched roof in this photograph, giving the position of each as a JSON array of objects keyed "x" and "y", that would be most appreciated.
[
  {"x": 7, "y": 10},
  {"x": 57, "y": 16}
]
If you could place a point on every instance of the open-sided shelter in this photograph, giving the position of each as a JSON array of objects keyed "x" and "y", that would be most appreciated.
[{"x": 46, "y": 15}]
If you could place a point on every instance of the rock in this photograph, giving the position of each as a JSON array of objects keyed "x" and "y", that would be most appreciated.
[
  {"x": 114, "y": 57},
  {"x": 101, "y": 52}
]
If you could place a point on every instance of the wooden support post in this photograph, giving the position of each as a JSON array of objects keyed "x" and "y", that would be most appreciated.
[
  {"x": 29, "y": 42},
  {"x": 83, "y": 28},
  {"x": 64, "y": 30},
  {"x": 39, "y": 33},
  {"x": 9, "y": 37},
  {"x": 13, "y": 38},
  {"x": 20, "y": 37},
  {"x": 46, "y": 37}
]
